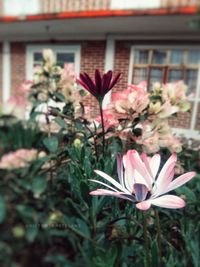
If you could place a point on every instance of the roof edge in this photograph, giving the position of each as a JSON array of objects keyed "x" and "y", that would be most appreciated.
[{"x": 189, "y": 10}]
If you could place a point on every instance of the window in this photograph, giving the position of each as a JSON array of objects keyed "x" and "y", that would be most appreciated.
[
  {"x": 63, "y": 55},
  {"x": 166, "y": 65},
  {"x": 169, "y": 65}
]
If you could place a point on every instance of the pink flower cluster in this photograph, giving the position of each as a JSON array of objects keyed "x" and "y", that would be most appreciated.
[
  {"x": 18, "y": 159},
  {"x": 142, "y": 116},
  {"x": 130, "y": 103},
  {"x": 50, "y": 78},
  {"x": 17, "y": 105}
]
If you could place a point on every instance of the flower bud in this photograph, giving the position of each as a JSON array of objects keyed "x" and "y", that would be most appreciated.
[
  {"x": 77, "y": 143},
  {"x": 18, "y": 231}
]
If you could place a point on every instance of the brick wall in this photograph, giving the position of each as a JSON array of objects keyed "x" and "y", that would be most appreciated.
[
  {"x": 1, "y": 8},
  {"x": 1, "y": 64},
  {"x": 182, "y": 120},
  {"x": 121, "y": 63},
  {"x": 197, "y": 126},
  {"x": 92, "y": 57},
  {"x": 18, "y": 65}
]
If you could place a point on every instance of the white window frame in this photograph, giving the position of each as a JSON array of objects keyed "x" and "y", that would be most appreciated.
[
  {"x": 31, "y": 49},
  {"x": 191, "y": 132}
]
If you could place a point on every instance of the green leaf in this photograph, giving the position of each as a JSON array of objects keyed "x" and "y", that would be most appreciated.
[
  {"x": 82, "y": 227},
  {"x": 59, "y": 260},
  {"x": 31, "y": 233},
  {"x": 2, "y": 209},
  {"x": 39, "y": 185},
  {"x": 84, "y": 189},
  {"x": 185, "y": 190},
  {"x": 61, "y": 123},
  {"x": 60, "y": 96},
  {"x": 155, "y": 254},
  {"x": 79, "y": 125},
  {"x": 51, "y": 143},
  {"x": 26, "y": 211}
]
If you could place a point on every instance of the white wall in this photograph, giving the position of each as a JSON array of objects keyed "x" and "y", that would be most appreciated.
[
  {"x": 20, "y": 7},
  {"x": 135, "y": 4}
]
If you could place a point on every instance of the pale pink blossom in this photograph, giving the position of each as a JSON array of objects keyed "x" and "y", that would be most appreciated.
[
  {"x": 16, "y": 106},
  {"x": 125, "y": 135},
  {"x": 166, "y": 110},
  {"x": 109, "y": 120},
  {"x": 149, "y": 144},
  {"x": 18, "y": 159},
  {"x": 175, "y": 93},
  {"x": 131, "y": 101},
  {"x": 149, "y": 138},
  {"x": 171, "y": 142},
  {"x": 142, "y": 182},
  {"x": 43, "y": 111},
  {"x": 157, "y": 134},
  {"x": 168, "y": 99},
  {"x": 68, "y": 73},
  {"x": 25, "y": 87},
  {"x": 48, "y": 56}
]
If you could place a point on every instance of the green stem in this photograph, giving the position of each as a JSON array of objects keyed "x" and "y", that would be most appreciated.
[
  {"x": 95, "y": 140},
  {"x": 102, "y": 123},
  {"x": 49, "y": 135},
  {"x": 146, "y": 242},
  {"x": 158, "y": 235}
]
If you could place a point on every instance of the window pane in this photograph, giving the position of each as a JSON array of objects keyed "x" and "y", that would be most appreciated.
[
  {"x": 156, "y": 75},
  {"x": 141, "y": 56},
  {"x": 139, "y": 75},
  {"x": 37, "y": 56},
  {"x": 176, "y": 57},
  {"x": 63, "y": 58},
  {"x": 193, "y": 57},
  {"x": 159, "y": 57},
  {"x": 175, "y": 75},
  {"x": 191, "y": 80}
]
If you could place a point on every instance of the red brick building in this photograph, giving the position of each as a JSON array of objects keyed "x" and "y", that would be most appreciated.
[{"x": 154, "y": 40}]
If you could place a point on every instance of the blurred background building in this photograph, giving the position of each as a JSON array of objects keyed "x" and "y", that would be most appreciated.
[{"x": 154, "y": 40}]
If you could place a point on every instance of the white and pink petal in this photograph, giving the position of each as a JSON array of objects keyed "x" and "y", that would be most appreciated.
[
  {"x": 105, "y": 192},
  {"x": 181, "y": 180},
  {"x": 165, "y": 176},
  {"x": 144, "y": 205},
  {"x": 140, "y": 167},
  {"x": 111, "y": 180},
  {"x": 168, "y": 201}
]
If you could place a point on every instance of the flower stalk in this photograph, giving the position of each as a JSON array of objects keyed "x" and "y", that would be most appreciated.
[
  {"x": 103, "y": 128},
  {"x": 146, "y": 241},
  {"x": 158, "y": 235}
]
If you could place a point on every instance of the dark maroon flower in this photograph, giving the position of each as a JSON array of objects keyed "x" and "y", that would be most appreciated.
[{"x": 101, "y": 85}]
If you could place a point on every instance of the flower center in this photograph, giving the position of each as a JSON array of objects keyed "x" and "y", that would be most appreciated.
[{"x": 140, "y": 191}]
